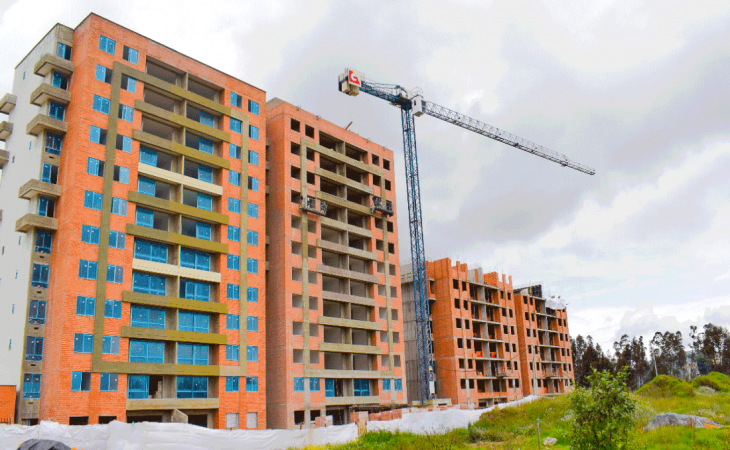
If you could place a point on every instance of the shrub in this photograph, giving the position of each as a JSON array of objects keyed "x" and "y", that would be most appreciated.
[
  {"x": 715, "y": 380},
  {"x": 603, "y": 415},
  {"x": 666, "y": 386}
]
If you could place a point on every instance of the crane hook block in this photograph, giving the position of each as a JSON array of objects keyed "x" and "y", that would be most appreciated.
[{"x": 350, "y": 82}]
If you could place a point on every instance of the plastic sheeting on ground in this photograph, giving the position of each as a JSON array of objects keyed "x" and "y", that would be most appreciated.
[
  {"x": 172, "y": 436},
  {"x": 439, "y": 421}
]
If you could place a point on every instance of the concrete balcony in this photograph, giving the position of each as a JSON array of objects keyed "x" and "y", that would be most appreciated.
[
  {"x": 175, "y": 271},
  {"x": 173, "y": 335},
  {"x": 46, "y": 92},
  {"x": 6, "y": 128},
  {"x": 349, "y": 323},
  {"x": 49, "y": 62},
  {"x": 344, "y": 273},
  {"x": 171, "y": 403},
  {"x": 34, "y": 188},
  {"x": 337, "y": 373},
  {"x": 342, "y": 226},
  {"x": 30, "y": 221},
  {"x": 354, "y": 299},
  {"x": 41, "y": 123},
  {"x": 345, "y": 249},
  {"x": 336, "y": 401},
  {"x": 7, "y": 103},
  {"x": 4, "y": 158},
  {"x": 349, "y": 348}
]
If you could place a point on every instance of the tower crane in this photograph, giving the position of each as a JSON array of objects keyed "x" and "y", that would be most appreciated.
[{"x": 412, "y": 104}]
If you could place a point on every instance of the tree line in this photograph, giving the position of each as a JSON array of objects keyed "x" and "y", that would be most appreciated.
[{"x": 708, "y": 350}]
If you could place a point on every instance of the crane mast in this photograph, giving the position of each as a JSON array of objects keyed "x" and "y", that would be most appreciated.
[{"x": 413, "y": 105}]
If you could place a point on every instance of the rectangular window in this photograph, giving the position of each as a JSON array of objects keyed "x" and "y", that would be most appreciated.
[
  {"x": 117, "y": 239},
  {"x": 110, "y": 345},
  {"x": 234, "y": 233},
  {"x": 145, "y": 218},
  {"x": 112, "y": 309},
  {"x": 37, "y": 312},
  {"x": 33, "y": 348},
  {"x": 361, "y": 387},
  {"x": 205, "y": 202},
  {"x": 252, "y": 294},
  {"x": 150, "y": 251},
  {"x": 386, "y": 384},
  {"x": 129, "y": 83},
  {"x": 234, "y": 177},
  {"x": 253, "y": 157},
  {"x": 83, "y": 343},
  {"x": 205, "y": 174},
  {"x": 252, "y": 265},
  {"x": 253, "y": 132},
  {"x": 40, "y": 276},
  {"x": 234, "y": 262},
  {"x": 146, "y": 186},
  {"x": 192, "y": 387},
  {"x": 192, "y": 354},
  {"x": 146, "y": 283},
  {"x": 234, "y": 151},
  {"x": 46, "y": 206},
  {"x": 80, "y": 381},
  {"x": 314, "y": 384},
  {"x": 236, "y": 125},
  {"x": 252, "y": 237},
  {"x": 253, "y": 107},
  {"x": 126, "y": 113},
  {"x": 101, "y": 104},
  {"x": 43, "y": 241},
  {"x": 195, "y": 290},
  {"x": 87, "y": 269},
  {"x": 97, "y": 135},
  {"x": 63, "y": 51},
  {"x": 329, "y": 387},
  {"x": 231, "y": 384},
  {"x": 121, "y": 174},
  {"x": 236, "y": 100},
  {"x": 252, "y": 323},
  {"x": 253, "y": 210},
  {"x": 207, "y": 119},
  {"x": 53, "y": 143},
  {"x": 130, "y": 55},
  {"x": 233, "y": 291},
  {"x": 119, "y": 206},
  {"x": 124, "y": 143},
  {"x": 232, "y": 353},
  {"x": 95, "y": 167},
  {"x": 233, "y": 322},
  {"x": 398, "y": 385},
  {"x": 202, "y": 230},
  {"x": 252, "y": 353},
  {"x": 49, "y": 173},
  {"x": 85, "y": 306},
  {"x": 146, "y": 351},
  {"x": 138, "y": 386},
  {"x": 103, "y": 74},
  {"x": 107, "y": 45},
  {"x": 253, "y": 184},
  {"x": 252, "y": 384},
  {"x": 146, "y": 317},
  {"x": 56, "y": 110},
  {"x": 234, "y": 205},
  {"x": 32, "y": 386},
  {"x": 59, "y": 80},
  {"x": 298, "y": 384},
  {"x": 196, "y": 322},
  {"x": 92, "y": 200},
  {"x": 109, "y": 382},
  {"x": 194, "y": 259}
]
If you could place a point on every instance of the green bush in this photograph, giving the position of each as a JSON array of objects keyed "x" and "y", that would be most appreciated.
[
  {"x": 715, "y": 380},
  {"x": 665, "y": 386},
  {"x": 603, "y": 416}
]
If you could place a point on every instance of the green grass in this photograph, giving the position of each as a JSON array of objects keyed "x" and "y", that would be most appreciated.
[
  {"x": 715, "y": 380},
  {"x": 515, "y": 428}
]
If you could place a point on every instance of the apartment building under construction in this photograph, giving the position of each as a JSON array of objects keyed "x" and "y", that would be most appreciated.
[
  {"x": 481, "y": 356},
  {"x": 334, "y": 313}
]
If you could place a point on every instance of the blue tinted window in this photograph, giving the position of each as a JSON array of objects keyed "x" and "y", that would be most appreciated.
[
  {"x": 150, "y": 251},
  {"x": 113, "y": 309},
  {"x": 146, "y": 186},
  {"x": 95, "y": 167},
  {"x": 97, "y": 135},
  {"x": 205, "y": 146},
  {"x": 252, "y": 265},
  {"x": 146, "y": 317},
  {"x": 236, "y": 125},
  {"x": 253, "y": 132},
  {"x": 192, "y": 387},
  {"x": 130, "y": 54},
  {"x": 56, "y": 110},
  {"x": 109, "y": 382},
  {"x": 236, "y": 99},
  {"x": 253, "y": 107},
  {"x": 234, "y": 233},
  {"x": 234, "y": 151},
  {"x": 386, "y": 384},
  {"x": 92, "y": 200},
  {"x": 33, "y": 348},
  {"x": 233, "y": 262},
  {"x": 126, "y": 113},
  {"x": 205, "y": 174},
  {"x": 252, "y": 384},
  {"x": 107, "y": 45},
  {"x": 233, "y": 291},
  {"x": 87, "y": 269},
  {"x": 194, "y": 354},
  {"x": 361, "y": 387},
  {"x": 43, "y": 241},
  {"x": 252, "y": 294},
  {"x": 110, "y": 345},
  {"x": 253, "y": 210},
  {"x": 253, "y": 158},
  {"x": 138, "y": 386},
  {"x": 40, "y": 276},
  {"x": 202, "y": 230},
  {"x": 124, "y": 143},
  {"x": 83, "y": 343},
  {"x": 195, "y": 290},
  {"x": 101, "y": 104},
  {"x": 252, "y": 353},
  {"x": 63, "y": 51},
  {"x": 85, "y": 306},
  {"x": 103, "y": 74},
  {"x": 252, "y": 237},
  {"x": 253, "y": 184},
  {"x": 129, "y": 83},
  {"x": 252, "y": 323},
  {"x": 114, "y": 274},
  {"x": 207, "y": 119},
  {"x": 119, "y": 206},
  {"x": 117, "y": 239},
  {"x": 398, "y": 384},
  {"x": 196, "y": 322},
  {"x": 146, "y": 283},
  {"x": 145, "y": 217},
  {"x": 81, "y": 381},
  {"x": 234, "y": 178},
  {"x": 314, "y": 384},
  {"x": 121, "y": 174},
  {"x": 232, "y": 353},
  {"x": 194, "y": 259},
  {"x": 147, "y": 156},
  {"x": 298, "y": 384},
  {"x": 231, "y": 384},
  {"x": 37, "y": 312},
  {"x": 146, "y": 351},
  {"x": 233, "y": 322},
  {"x": 234, "y": 205},
  {"x": 46, "y": 206},
  {"x": 205, "y": 202},
  {"x": 53, "y": 143},
  {"x": 32, "y": 386}
]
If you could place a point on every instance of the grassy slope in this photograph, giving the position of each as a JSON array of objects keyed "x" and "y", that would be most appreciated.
[
  {"x": 513, "y": 428},
  {"x": 715, "y": 380}
]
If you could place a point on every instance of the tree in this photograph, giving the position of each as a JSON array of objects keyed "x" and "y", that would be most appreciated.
[
  {"x": 603, "y": 415},
  {"x": 670, "y": 355}
]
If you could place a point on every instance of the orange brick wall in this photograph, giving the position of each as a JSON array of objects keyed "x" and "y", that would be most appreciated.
[{"x": 7, "y": 404}]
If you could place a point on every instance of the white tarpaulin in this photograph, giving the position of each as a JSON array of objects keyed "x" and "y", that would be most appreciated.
[
  {"x": 172, "y": 436},
  {"x": 438, "y": 421},
  {"x": 556, "y": 303}
]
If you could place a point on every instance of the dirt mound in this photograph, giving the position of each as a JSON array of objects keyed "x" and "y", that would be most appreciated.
[
  {"x": 715, "y": 380},
  {"x": 666, "y": 386}
]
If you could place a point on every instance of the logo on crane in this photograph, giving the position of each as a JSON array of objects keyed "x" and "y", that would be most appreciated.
[{"x": 353, "y": 78}]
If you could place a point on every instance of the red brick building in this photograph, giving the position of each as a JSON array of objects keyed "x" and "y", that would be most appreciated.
[
  {"x": 7, "y": 404},
  {"x": 133, "y": 182}
]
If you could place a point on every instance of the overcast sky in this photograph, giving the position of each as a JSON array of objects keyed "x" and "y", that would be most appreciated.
[{"x": 640, "y": 91}]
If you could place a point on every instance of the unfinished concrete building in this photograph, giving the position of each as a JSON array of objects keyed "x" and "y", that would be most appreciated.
[
  {"x": 474, "y": 332},
  {"x": 334, "y": 324},
  {"x": 542, "y": 330}
]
